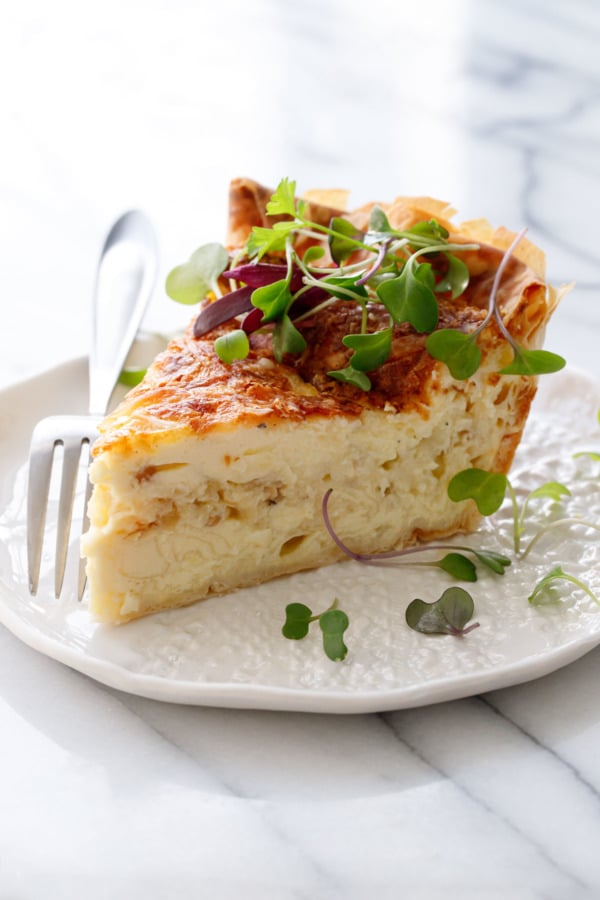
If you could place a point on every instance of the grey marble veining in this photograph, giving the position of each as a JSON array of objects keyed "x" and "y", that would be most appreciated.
[{"x": 492, "y": 105}]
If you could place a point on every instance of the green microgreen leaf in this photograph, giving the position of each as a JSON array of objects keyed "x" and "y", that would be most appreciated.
[
  {"x": 456, "y": 278},
  {"x": 350, "y": 375},
  {"x": 333, "y": 623},
  {"x": 285, "y": 227},
  {"x": 287, "y": 338},
  {"x": 190, "y": 282},
  {"x": 533, "y": 362},
  {"x": 370, "y": 350},
  {"x": 297, "y": 620},
  {"x": 378, "y": 221},
  {"x": 233, "y": 345},
  {"x": 458, "y": 566},
  {"x": 430, "y": 229},
  {"x": 525, "y": 361},
  {"x": 410, "y": 297},
  {"x": 267, "y": 240},
  {"x": 313, "y": 253},
  {"x": 487, "y": 489},
  {"x": 283, "y": 201},
  {"x": 339, "y": 247},
  {"x": 459, "y": 351},
  {"x": 344, "y": 287},
  {"x": 448, "y": 615},
  {"x": 497, "y": 562},
  {"x": 273, "y": 299},
  {"x": 554, "y": 490},
  {"x": 130, "y": 376},
  {"x": 591, "y": 454},
  {"x": 543, "y": 588},
  {"x": 423, "y": 272}
]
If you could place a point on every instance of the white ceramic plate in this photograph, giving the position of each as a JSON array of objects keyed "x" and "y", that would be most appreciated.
[{"x": 229, "y": 651}]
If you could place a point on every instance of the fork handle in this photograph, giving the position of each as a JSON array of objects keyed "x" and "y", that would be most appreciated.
[{"x": 124, "y": 282}]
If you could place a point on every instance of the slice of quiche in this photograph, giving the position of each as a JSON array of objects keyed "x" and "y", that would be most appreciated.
[{"x": 211, "y": 474}]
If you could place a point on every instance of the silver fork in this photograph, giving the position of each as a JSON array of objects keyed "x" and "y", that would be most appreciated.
[{"x": 124, "y": 281}]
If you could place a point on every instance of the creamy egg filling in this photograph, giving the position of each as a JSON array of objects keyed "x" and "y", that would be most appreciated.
[{"x": 183, "y": 519}]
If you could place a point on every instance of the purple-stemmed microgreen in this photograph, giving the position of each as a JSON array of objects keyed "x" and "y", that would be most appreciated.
[
  {"x": 525, "y": 361},
  {"x": 458, "y": 349},
  {"x": 447, "y": 615},
  {"x": 453, "y": 563},
  {"x": 376, "y": 264},
  {"x": 333, "y": 622},
  {"x": 460, "y": 352}
]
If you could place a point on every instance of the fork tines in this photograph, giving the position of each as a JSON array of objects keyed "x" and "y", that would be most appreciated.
[{"x": 72, "y": 433}]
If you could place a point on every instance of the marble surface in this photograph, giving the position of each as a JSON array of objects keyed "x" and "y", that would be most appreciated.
[{"x": 494, "y": 106}]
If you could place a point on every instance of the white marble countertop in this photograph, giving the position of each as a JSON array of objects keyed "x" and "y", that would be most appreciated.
[{"x": 494, "y": 106}]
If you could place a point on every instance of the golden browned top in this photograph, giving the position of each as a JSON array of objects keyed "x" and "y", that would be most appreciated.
[{"x": 189, "y": 390}]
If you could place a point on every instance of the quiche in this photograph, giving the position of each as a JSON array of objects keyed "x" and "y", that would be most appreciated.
[{"x": 211, "y": 474}]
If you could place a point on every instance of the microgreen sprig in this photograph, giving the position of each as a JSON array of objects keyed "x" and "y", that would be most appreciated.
[
  {"x": 190, "y": 282},
  {"x": 232, "y": 345},
  {"x": 553, "y": 526},
  {"x": 333, "y": 622},
  {"x": 544, "y": 585},
  {"x": 130, "y": 376},
  {"x": 590, "y": 454},
  {"x": 447, "y": 615},
  {"x": 402, "y": 270},
  {"x": 525, "y": 361},
  {"x": 462, "y": 355},
  {"x": 489, "y": 489},
  {"x": 454, "y": 563}
]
